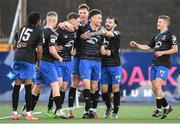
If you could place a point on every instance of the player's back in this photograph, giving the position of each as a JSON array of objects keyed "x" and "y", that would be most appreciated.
[
  {"x": 50, "y": 38},
  {"x": 29, "y": 37}
]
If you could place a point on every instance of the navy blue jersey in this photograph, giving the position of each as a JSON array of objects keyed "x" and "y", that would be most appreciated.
[
  {"x": 28, "y": 38},
  {"x": 77, "y": 44},
  {"x": 50, "y": 38},
  {"x": 90, "y": 48},
  {"x": 112, "y": 44},
  {"x": 161, "y": 42},
  {"x": 66, "y": 39}
]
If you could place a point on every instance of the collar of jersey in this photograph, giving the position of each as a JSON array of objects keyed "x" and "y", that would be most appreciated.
[{"x": 164, "y": 32}]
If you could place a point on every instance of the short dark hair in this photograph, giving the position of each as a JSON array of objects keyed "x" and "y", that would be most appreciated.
[
  {"x": 94, "y": 12},
  {"x": 165, "y": 17},
  {"x": 83, "y": 6},
  {"x": 72, "y": 15},
  {"x": 33, "y": 18},
  {"x": 115, "y": 20}
]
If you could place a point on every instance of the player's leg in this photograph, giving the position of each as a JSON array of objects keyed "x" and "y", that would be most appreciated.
[
  {"x": 116, "y": 100},
  {"x": 66, "y": 74},
  {"x": 157, "y": 112},
  {"x": 104, "y": 81},
  {"x": 74, "y": 85},
  {"x": 116, "y": 73},
  {"x": 50, "y": 112},
  {"x": 28, "y": 71},
  {"x": 15, "y": 98},
  {"x": 95, "y": 76},
  {"x": 161, "y": 76},
  {"x": 94, "y": 99},
  {"x": 85, "y": 74}
]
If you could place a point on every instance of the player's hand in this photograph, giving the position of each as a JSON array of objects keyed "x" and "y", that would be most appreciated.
[
  {"x": 108, "y": 52},
  {"x": 59, "y": 48},
  {"x": 103, "y": 31},
  {"x": 133, "y": 44},
  {"x": 159, "y": 53},
  {"x": 73, "y": 52},
  {"x": 86, "y": 35},
  {"x": 66, "y": 26},
  {"x": 60, "y": 59}
]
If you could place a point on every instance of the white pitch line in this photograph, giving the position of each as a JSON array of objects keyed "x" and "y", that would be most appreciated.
[{"x": 36, "y": 113}]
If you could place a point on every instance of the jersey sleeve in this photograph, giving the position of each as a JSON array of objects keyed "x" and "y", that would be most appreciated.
[
  {"x": 117, "y": 34},
  {"x": 59, "y": 37},
  {"x": 53, "y": 38},
  {"x": 173, "y": 40},
  {"x": 151, "y": 43}
]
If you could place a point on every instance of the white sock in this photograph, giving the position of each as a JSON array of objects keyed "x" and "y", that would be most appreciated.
[
  {"x": 94, "y": 109},
  {"x": 15, "y": 112},
  {"x": 28, "y": 113},
  {"x": 167, "y": 107},
  {"x": 158, "y": 109}
]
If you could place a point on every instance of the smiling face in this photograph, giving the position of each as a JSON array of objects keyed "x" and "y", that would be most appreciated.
[
  {"x": 162, "y": 23},
  {"x": 83, "y": 14},
  {"x": 96, "y": 19},
  {"x": 75, "y": 22},
  {"x": 110, "y": 24}
]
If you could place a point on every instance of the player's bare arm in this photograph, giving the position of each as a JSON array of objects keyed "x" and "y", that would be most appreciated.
[
  {"x": 173, "y": 50},
  {"x": 139, "y": 46}
]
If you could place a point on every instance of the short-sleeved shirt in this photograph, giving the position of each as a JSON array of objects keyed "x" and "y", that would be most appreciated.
[
  {"x": 50, "y": 38},
  {"x": 66, "y": 39},
  {"x": 90, "y": 48},
  {"x": 28, "y": 38},
  {"x": 112, "y": 44},
  {"x": 161, "y": 42}
]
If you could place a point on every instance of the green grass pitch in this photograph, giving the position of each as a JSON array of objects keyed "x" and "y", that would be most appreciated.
[{"x": 133, "y": 113}]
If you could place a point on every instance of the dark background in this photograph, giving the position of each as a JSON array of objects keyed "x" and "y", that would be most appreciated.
[{"x": 137, "y": 17}]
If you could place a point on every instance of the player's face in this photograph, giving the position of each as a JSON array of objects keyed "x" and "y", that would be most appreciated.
[
  {"x": 97, "y": 19},
  {"x": 161, "y": 24},
  {"x": 110, "y": 24},
  {"x": 39, "y": 23},
  {"x": 83, "y": 14},
  {"x": 75, "y": 23}
]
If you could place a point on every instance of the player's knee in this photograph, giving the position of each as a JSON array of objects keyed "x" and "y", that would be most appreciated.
[
  {"x": 55, "y": 88},
  {"x": 86, "y": 84},
  {"x": 104, "y": 89},
  {"x": 74, "y": 84},
  {"x": 115, "y": 87},
  {"x": 36, "y": 89}
]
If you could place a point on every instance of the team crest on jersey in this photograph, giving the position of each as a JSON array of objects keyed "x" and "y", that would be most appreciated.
[
  {"x": 164, "y": 37},
  {"x": 69, "y": 44},
  {"x": 92, "y": 40}
]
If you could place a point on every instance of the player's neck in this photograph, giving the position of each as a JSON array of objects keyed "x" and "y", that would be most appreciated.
[
  {"x": 163, "y": 30},
  {"x": 49, "y": 26},
  {"x": 84, "y": 22},
  {"x": 94, "y": 27}
]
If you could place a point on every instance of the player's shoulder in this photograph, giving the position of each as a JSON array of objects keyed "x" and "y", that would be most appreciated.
[
  {"x": 48, "y": 31},
  {"x": 116, "y": 32}
]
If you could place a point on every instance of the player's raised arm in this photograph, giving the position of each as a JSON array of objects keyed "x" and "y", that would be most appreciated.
[{"x": 139, "y": 46}]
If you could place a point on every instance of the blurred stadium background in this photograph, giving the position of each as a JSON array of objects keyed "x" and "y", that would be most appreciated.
[{"x": 137, "y": 22}]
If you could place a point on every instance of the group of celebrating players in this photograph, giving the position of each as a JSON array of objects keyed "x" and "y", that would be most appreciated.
[{"x": 81, "y": 49}]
